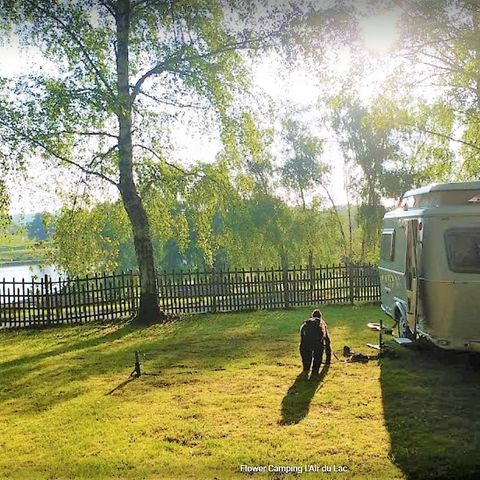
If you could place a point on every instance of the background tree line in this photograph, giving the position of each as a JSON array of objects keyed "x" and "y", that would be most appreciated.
[{"x": 277, "y": 207}]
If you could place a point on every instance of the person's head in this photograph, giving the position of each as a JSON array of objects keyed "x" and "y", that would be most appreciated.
[{"x": 316, "y": 313}]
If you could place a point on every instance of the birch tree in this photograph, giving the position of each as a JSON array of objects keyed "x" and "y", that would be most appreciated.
[{"x": 121, "y": 70}]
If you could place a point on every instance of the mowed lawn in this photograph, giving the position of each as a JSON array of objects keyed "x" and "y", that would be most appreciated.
[{"x": 226, "y": 392}]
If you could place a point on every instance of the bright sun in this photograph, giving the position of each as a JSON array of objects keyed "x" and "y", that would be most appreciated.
[{"x": 379, "y": 32}]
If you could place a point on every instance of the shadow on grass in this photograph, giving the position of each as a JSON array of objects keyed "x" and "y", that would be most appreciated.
[
  {"x": 39, "y": 381},
  {"x": 296, "y": 403},
  {"x": 121, "y": 385},
  {"x": 120, "y": 330},
  {"x": 431, "y": 406}
]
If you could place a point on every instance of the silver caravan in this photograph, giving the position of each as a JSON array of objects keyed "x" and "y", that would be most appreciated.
[{"x": 430, "y": 265}]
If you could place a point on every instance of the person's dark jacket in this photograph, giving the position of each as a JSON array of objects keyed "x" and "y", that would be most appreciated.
[{"x": 312, "y": 332}]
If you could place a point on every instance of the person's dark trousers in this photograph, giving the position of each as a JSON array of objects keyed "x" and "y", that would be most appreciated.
[
  {"x": 317, "y": 358},
  {"x": 306, "y": 352},
  {"x": 311, "y": 352}
]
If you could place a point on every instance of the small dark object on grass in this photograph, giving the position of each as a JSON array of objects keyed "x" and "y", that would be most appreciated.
[
  {"x": 385, "y": 352},
  {"x": 358, "y": 357}
]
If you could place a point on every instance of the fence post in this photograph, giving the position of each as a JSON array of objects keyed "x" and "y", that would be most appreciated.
[
  {"x": 378, "y": 293},
  {"x": 133, "y": 294},
  {"x": 351, "y": 291},
  {"x": 3, "y": 302},
  {"x": 311, "y": 275},
  {"x": 212, "y": 290},
  {"x": 311, "y": 270},
  {"x": 286, "y": 291},
  {"x": 48, "y": 298}
]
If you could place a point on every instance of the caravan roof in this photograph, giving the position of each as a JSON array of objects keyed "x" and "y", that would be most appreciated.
[
  {"x": 443, "y": 187},
  {"x": 439, "y": 194}
]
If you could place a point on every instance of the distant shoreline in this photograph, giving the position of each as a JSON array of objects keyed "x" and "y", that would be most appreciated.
[{"x": 22, "y": 263}]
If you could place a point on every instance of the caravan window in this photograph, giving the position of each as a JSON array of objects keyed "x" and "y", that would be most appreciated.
[
  {"x": 387, "y": 247},
  {"x": 463, "y": 249}
]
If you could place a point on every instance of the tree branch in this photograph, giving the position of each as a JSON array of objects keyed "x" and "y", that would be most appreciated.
[
  {"x": 158, "y": 157},
  {"x": 173, "y": 104},
  {"x": 76, "y": 40},
  {"x": 138, "y": 3},
  {"x": 102, "y": 155},
  {"x": 447, "y": 137},
  {"x": 75, "y": 164},
  {"x": 164, "y": 66},
  {"x": 158, "y": 68},
  {"x": 87, "y": 133},
  {"x": 110, "y": 6},
  {"x": 40, "y": 144}
]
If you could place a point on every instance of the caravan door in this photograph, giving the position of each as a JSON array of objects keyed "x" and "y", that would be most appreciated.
[{"x": 411, "y": 276}]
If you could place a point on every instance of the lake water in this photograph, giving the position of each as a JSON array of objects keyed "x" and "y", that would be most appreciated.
[{"x": 27, "y": 272}]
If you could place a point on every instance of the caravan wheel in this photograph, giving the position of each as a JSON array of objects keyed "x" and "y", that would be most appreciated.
[{"x": 403, "y": 329}]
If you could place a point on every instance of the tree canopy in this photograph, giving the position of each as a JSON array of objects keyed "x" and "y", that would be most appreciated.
[
  {"x": 120, "y": 73},
  {"x": 125, "y": 81}
]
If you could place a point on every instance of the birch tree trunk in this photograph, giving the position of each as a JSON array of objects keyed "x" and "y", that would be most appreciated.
[{"x": 149, "y": 310}]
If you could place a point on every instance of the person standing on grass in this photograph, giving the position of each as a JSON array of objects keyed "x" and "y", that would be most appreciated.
[{"x": 314, "y": 338}]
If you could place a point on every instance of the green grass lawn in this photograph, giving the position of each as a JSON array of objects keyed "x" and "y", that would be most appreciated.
[{"x": 227, "y": 392}]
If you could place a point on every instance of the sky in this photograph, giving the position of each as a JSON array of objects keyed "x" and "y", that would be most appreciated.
[{"x": 298, "y": 89}]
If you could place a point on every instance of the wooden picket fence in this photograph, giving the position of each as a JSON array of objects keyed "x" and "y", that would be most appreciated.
[{"x": 45, "y": 302}]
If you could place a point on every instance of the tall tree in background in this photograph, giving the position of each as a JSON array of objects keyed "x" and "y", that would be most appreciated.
[
  {"x": 120, "y": 72},
  {"x": 441, "y": 39},
  {"x": 303, "y": 168},
  {"x": 368, "y": 149},
  {"x": 39, "y": 228},
  {"x": 423, "y": 156},
  {"x": 304, "y": 172}
]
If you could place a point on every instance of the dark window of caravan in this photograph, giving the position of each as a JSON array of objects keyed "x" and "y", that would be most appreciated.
[
  {"x": 463, "y": 249},
  {"x": 387, "y": 247}
]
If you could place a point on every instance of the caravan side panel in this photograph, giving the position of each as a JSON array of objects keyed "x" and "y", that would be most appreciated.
[
  {"x": 451, "y": 298},
  {"x": 392, "y": 264}
]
